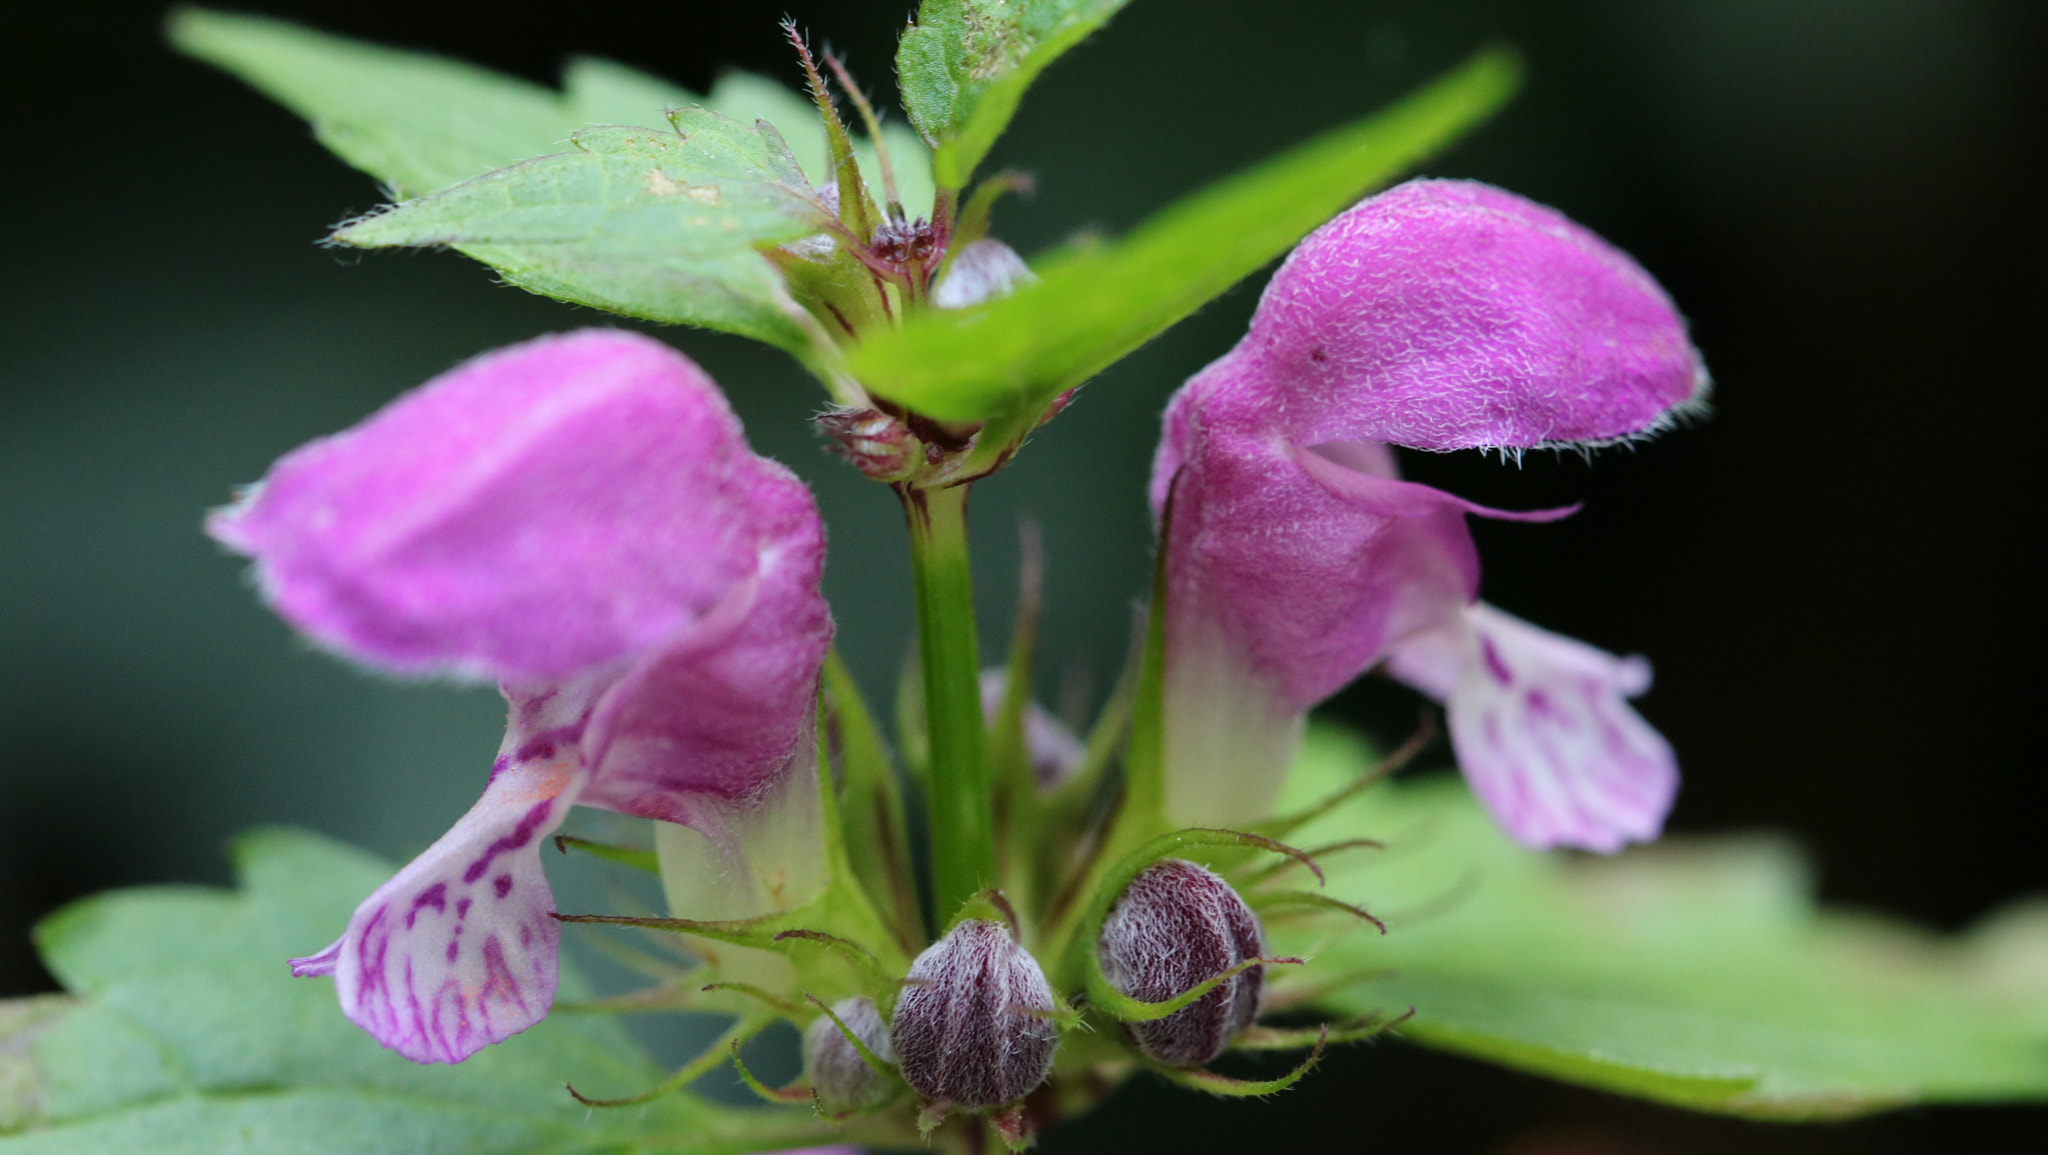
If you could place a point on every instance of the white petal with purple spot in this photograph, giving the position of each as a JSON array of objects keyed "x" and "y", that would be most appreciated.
[
  {"x": 457, "y": 951},
  {"x": 1543, "y": 730}
]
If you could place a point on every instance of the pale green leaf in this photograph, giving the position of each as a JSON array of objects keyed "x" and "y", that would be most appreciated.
[
  {"x": 1694, "y": 972},
  {"x": 422, "y": 123},
  {"x": 416, "y": 121},
  {"x": 185, "y": 1032},
  {"x": 712, "y": 185},
  {"x": 965, "y": 64},
  {"x": 600, "y": 91},
  {"x": 661, "y": 224},
  {"x": 1094, "y": 305}
]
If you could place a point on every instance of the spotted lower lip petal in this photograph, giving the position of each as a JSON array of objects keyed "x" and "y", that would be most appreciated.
[
  {"x": 458, "y": 950},
  {"x": 1543, "y": 730}
]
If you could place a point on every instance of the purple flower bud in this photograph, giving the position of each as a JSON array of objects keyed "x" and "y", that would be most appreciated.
[
  {"x": 1177, "y": 926},
  {"x": 973, "y": 1026},
  {"x": 841, "y": 1077},
  {"x": 900, "y": 244},
  {"x": 578, "y": 518}
]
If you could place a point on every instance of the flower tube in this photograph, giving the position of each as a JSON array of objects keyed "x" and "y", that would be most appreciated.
[
  {"x": 578, "y": 519},
  {"x": 1440, "y": 315}
]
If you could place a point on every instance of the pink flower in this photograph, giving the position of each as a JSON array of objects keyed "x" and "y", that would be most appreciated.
[
  {"x": 579, "y": 519},
  {"x": 1440, "y": 315}
]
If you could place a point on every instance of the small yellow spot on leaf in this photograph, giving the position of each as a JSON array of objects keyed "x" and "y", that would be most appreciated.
[{"x": 659, "y": 183}]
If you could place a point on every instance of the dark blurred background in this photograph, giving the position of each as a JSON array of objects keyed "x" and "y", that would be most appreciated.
[{"x": 1843, "y": 195}]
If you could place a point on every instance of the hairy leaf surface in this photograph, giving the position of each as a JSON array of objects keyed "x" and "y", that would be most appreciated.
[{"x": 650, "y": 222}]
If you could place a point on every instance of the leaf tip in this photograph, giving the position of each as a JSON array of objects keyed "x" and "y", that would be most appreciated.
[
  {"x": 185, "y": 27},
  {"x": 1499, "y": 67}
]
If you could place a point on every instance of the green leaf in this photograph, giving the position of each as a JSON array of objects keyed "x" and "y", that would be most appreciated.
[
  {"x": 185, "y": 1032},
  {"x": 1094, "y": 305},
  {"x": 649, "y": 222},
  {"x": 1694, "y": 972},
  {"x": 416, "y": 121},
  {"x": 964, "y": 66},
  {"x": 422, "y": 123},
  {"x": 600, "y": 91}
]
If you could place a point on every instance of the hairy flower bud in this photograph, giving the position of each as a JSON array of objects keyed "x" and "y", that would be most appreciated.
[
  {"x": 843, "y": 1080},
  {"x": 880, "y": 446},
  {"x": 972, "y": 1027},
  {"x": 1176, "y": 926}
]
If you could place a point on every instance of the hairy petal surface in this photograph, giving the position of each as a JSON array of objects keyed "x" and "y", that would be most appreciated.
[
  {"x": 1543, "y": 730},
  {"x": 711, "y": 718},
  {"x": 1178, "y": 925},
  {"x": 1455, "y": 315},
  {"x": 583, "y": 510},
  {"x": 535, "y": 512},
  {"x": 840, "y": 1076},
  {"x": 983, "y": 271},
  {"x": 1289, "y": 572},
  {"x": 971, "y": 1026}
]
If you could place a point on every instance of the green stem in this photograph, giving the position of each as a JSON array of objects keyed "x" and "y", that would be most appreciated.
[{"x": 962, "y": 804}]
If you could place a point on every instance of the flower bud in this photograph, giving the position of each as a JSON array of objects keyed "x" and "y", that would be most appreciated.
[
  {"x": 879, "y": 445},
  {"x": 972, "y": 1027},
  {"x": 1175, "y": 927},
  {"x": 843, "y": 1080}
]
